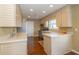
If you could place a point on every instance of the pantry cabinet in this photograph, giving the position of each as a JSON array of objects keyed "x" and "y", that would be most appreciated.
[
  {"x": 63, "y": 17},
  {"x": 10, "y": 15}
]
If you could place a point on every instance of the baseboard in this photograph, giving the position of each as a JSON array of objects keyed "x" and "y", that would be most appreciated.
[{"x": 75, "y": 51}]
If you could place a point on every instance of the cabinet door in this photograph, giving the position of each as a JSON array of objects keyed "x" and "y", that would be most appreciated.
[
  {"x": 47, "y": 45},
  {"x": 58, "y": 18},
  {"x": 18, "y": 16},
  {"x": 7, "y": 15},
  {"x": 61, "y": 45},
  {"x": 13, "y": 48},
  {"x": 66, "y": 17}
]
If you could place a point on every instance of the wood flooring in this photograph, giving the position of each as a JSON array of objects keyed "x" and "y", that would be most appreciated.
[{"x": 34, "y": 48}]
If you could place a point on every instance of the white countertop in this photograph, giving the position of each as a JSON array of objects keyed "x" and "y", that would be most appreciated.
[
  {"x": 16, "y": 38},
  {"x": 56, "y": 34}
]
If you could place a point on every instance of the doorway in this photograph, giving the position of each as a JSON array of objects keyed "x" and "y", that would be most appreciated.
[{"x": 30, "y": 28}]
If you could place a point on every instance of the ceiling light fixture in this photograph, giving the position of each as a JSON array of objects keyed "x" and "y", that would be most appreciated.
[
  {"x": 51, "y": 6},
  {"x": 44, "y": 11},
  {"x": 31, "y": 10}
]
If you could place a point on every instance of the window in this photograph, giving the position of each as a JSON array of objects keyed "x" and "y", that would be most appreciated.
[{"x": 52, "y": 24}]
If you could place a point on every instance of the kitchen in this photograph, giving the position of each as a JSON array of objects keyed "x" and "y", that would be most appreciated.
[
  {"x": 39, "y": 29},
  {"x": 60, "y": 39}
]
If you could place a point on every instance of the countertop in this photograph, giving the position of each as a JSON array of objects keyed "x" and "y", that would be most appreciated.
[
  {"x": 56, "y": 34},
  {"x": 16, "y": 38}
]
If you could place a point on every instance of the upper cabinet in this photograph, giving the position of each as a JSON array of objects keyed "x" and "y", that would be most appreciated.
[
  {"x": 58, "y": 18},
  {"x": 63, "y": 17},
  {"x": 10, "y": 15},
  {"x": 18, "y": 16}
]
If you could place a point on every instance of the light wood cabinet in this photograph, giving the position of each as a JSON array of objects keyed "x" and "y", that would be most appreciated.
[
  {"x": 10, "y": 15},
  {"x": 63, "y": 17},
  {"x": 58, "y": 18},
  {"x": 66, "y": 17}
]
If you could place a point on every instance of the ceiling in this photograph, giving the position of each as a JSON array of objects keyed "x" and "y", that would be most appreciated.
[{"x": 38, "y": 10}]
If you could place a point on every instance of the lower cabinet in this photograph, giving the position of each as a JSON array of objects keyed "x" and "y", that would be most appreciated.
[
  {"x": 13, "y": 48},
  {"x": 57, "y": 45},
  {"x": 47, "y": 45}
]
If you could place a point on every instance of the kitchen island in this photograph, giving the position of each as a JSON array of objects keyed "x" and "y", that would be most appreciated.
[
  {"x": 14, "y": 45},
  {"x": 56, "y": 43}
]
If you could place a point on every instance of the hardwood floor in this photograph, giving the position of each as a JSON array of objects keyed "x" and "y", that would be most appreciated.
[{"x": 34, "y": 48}]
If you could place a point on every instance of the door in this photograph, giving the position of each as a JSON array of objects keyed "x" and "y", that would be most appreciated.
[{"x": 30, "y": 28}]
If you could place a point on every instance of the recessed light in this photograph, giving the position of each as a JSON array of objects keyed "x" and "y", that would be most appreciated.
[
  {"x": 44, "y": 11},
  {"x": 28, "y": 16},
  {"x": 50, "y": 5},
  {"x": 31, "y": 10}
]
